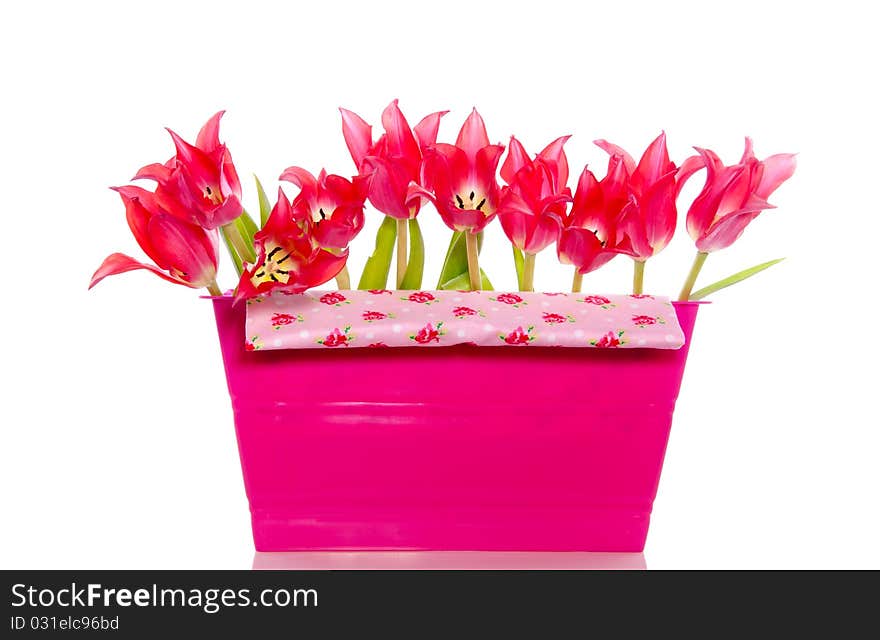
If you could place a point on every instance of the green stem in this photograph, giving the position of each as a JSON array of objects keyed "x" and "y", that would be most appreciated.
[
  {"x": 473, "y": 262},
  {"x": 528, "y": 277},
  {"x": 343, "y": 280},
  {"x": 638, "y": 276},
  {"x": 213, "y": 289},
  {"x": 577, "y": 281},
  {"x": 518, "y": 263},
  {"x": 692, "y": 276},
  {"x": 401, "y": 250}
]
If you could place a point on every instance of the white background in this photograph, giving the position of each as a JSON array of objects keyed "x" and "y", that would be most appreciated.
[{"x": 117, "y": 438}]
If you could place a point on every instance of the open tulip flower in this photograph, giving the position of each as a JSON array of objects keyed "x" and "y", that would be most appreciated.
[
  {"x": 594, "y": 231},
  {"x": 334, "y": 204},
  {"x": 462, "y": 177},
  {"x": 289, "y": 258},
  {"x": 651, "y": 217},
  {"x": 199, "y": 183},
  {"x": 532, "y": 207},
  {"x": 184, "y": 253},
  {"x": 464, "y": 188}
]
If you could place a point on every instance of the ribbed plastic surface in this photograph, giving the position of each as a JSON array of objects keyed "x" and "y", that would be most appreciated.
[{"x": 452, "y": 448}]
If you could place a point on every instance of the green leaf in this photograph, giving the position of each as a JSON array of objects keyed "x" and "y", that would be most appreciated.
[
  {"x": 245, "y": 227},
  {"x": 463, "y": 282},
  {"x": 265, "y": 205},
  {"x": 375, "y": 274},
  {"x": 736, "y": 277},
  {"x": 518, "y": 261},
  {"x": 455, "y": 262},
  {"x": 236, "y": 261},
  {"x": 415, "y": 267},
  {"x": 456, "y": 259}
]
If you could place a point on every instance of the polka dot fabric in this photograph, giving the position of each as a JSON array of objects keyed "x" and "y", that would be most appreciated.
[{"x": 385, "y": 318}]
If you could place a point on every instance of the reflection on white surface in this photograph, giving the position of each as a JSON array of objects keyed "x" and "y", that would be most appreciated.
[{"x": 323, "y": 560}]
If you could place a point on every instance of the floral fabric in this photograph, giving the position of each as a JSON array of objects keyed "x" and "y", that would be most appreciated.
[{"x": 384, "y": 318}]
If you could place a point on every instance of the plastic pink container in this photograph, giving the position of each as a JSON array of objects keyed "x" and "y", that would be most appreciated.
[{"x": 456, "y": 448}]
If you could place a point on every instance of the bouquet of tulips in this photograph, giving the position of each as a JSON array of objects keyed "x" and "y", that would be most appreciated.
[{"x": 303, "y": 243}]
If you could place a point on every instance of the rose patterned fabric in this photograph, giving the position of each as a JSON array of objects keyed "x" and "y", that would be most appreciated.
[{"x": 384, "y": 318}]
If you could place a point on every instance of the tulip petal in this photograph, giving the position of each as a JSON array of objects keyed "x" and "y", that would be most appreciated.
[
  {"x": 614, "y": 150},
  {"x": 180, "y": 249},
  {"x": 300, "y": 177},
  {"x": 161, "y": 173},
  {"x": 388, "y": 186},
  {"x": 472, "y": 137},
  {"x": 659, "y": 214},
  {"x": 514, "y": 215},
  {"x": 426, "y": 130},
  {"x": 516, "y": 159},
  {"x": 653, "y": 164},
  {"x": 209, "y": 136},
  {"x": 777, "y": 169},
  {"x": 687, "y": 169},
  {"x": 555, "y": 154},
  {"x": 399, "y": 140},
  {"x": 727, "y": 230},
  {"x": 117, "y": 263},
  {"x": 358, "y": 135},
  {"x": 587, "y": 210}
]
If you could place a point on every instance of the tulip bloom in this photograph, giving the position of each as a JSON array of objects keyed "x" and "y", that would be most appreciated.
[
  {"x": 532, "y": 207},
  {"x": 288, "y": 256},
  {"x": 199, "y": 184},
  {"x": 594, "y": 232},
  {"x": 462, "y": 177},
  {"x": 393, "y": 162},
  {"x": 734, "y": 195},
  {"x": 731, "y": 198},
  {"x": 334, "y": 204},
  {"x": 650, "y": 221},
  {"x": 393, "y": 165},
  {"x": 184, "y": 253},
  {"x": 465, "y": 190}
]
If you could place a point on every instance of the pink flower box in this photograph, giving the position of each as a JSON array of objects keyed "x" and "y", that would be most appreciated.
[{"x": 455, "y": 448}]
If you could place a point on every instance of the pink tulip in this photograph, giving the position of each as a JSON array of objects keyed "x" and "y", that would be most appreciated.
[
  {"x": 594, "y": 230},
  {"x": 733, "y": 195},
  {"x": 334, "y": 204},
  {"x": 289, "y": 258},
  {"x": 462, "y": 177},
  {"x": 199, "y": 184},
  {"x": 184, "y": 253},
  {"x": 651, "y": 217},
  {"x": 532, "y": 207},
  {"x": 394, "y": 161}
]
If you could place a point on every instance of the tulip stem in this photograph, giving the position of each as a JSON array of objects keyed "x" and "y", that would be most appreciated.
[
  {"x": 401, "y": 250},
  {"x": 343, "y": 280},
  {"x": 577, "y": 281},
  {"x": 472, "y": 260},
  {"x": 638, "y": 276},
  {"x": 213, "y": 289},
  {"x": 528, "y": 279},
  {"x": 685, "y": 294}
]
